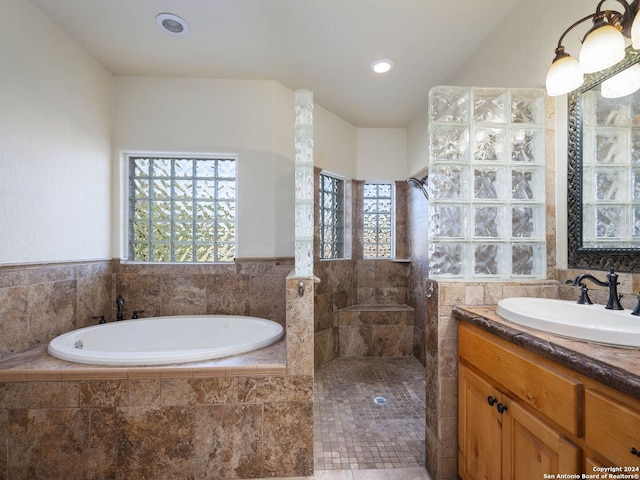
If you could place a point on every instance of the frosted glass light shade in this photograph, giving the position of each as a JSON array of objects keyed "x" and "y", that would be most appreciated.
[
  {"x": 564, "y": 76},
  {"x": 602, "y": 48},
  {"x": 635, "y": 32},
  {"x": 622, "y": 84}
]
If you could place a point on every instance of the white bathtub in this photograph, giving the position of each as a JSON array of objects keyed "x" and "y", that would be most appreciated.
[{"x": 163, "y": 340}]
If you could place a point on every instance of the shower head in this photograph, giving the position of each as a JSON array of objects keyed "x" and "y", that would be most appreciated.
[{"x": 419, "y": 184}]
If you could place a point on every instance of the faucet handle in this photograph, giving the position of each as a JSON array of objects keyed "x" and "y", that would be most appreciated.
[
  {"x": 100, "y": 318},
  {"x": 636, "y": 311},
  {"x": 584, "y": 295}
]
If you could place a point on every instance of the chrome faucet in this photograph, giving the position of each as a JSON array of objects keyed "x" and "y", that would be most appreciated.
[
  {"x": 120, "y": 303},
  {"x": 612, "y": 283}
]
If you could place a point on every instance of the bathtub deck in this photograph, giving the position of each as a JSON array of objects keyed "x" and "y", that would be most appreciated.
[{"x": 37, "y": 364}]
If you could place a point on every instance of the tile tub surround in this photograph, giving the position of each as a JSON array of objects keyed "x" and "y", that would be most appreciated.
[
  {"x": 376, "y": 331},
  {"x": 253, "y": 287},
  {"x": 41, "y": 301},
  {"x": 248, "y": 416}
]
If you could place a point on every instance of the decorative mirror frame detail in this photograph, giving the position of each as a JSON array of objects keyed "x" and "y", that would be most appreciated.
[{"x": 623, "y": 259}]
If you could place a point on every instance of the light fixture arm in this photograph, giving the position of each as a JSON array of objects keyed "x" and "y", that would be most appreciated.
[
  {"x": 582, "y": 20},
  {"x": 625, "y": 20}
]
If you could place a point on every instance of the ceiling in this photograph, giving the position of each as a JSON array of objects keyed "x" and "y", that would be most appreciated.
[{"x": 322, "y": 45}]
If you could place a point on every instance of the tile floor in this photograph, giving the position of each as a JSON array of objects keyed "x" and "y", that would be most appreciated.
[
  {"x": 417, "y": 473},
  {"x": 357, "y": 439},
  {"x": 352, "y": 431}
]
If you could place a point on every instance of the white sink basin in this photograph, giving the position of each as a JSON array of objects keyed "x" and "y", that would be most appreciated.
[{"x": 566, "y": 318}]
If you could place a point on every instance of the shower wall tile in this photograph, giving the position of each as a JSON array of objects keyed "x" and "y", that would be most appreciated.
[
  {"x": 356, "y": 281},
  {"x": 355, "y": 341},
  {"x": 325, "y": 345},
  {"x": 391, "y": 340}
]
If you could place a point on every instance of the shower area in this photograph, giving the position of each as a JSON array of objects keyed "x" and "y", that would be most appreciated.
[
  {"x": 369, "y": 342},
  {"x": 369, "y": 313}
]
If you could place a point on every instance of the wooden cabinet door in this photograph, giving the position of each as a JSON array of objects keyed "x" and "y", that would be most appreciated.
[
  {"x": 531, "y": 448},
  {"x": 612, "y": 429},
  {"x": 479, "y": 427}
]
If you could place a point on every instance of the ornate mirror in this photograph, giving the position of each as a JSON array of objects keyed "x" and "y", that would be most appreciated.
[{"x": 604, "y": 173}]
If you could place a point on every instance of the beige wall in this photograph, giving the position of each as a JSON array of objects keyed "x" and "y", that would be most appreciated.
[
  {"x": 210, "y": 116},
  {"x": 55, "y": 134},
  {"x": 382, "y": 154}
]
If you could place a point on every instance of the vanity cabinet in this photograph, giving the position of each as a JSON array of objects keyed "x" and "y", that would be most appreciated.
[
  {"x": 498, "y": 436},
  {"x": 521, "y": 416}
]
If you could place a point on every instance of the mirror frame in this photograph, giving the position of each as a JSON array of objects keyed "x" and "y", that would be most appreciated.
[{"x": 623, "y": 259}]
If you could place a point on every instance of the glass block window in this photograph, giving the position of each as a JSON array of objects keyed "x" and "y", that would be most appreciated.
[
  {"x": 182, "y": 209},
  {"x": 487, "y": 183},
  {"x": 378, "y": 220},
  {"x": 331, "y": 222}
]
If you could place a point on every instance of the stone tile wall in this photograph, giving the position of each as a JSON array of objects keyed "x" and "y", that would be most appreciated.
[
  {"x": 161, "y": 424},
  {"x": 376, "y": 331},
  {"x": 162, "y": 428},
  {"x": 40, "y": 301},
  {"x": 254, "y": 287},
  {"x": 442, "y": 359},
  {"x": 357, "y": 281}
]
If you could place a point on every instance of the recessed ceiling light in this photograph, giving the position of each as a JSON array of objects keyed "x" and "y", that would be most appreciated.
[
  {"x": 172, "y": 24},
  {"x": 382, "y": 66}
]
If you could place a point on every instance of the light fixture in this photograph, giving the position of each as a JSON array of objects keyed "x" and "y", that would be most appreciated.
[
  {"x": 602, "y": 47},
  {"x": 382, "y": 66},
  {"x": 172, "y": 24}
]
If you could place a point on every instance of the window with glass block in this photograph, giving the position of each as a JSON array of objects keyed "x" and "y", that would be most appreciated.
[
  {"x": 378, "y": 220},
  {"x": 182, "y": 209},
  {"x": 331, "y": 221},
  {"x": 487, "y": 183}
]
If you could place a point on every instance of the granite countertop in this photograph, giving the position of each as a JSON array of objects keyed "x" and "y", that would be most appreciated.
[{"x": 618, "y": 368}]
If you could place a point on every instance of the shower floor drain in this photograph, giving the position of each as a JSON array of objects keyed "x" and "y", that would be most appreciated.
[{"x": 380, "y": 401}]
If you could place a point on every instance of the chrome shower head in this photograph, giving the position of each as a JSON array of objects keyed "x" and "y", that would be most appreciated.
[{"x": 419, "y": 184}]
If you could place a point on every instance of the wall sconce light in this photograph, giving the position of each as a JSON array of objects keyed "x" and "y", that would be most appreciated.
[{"x": 602, "y": 47}]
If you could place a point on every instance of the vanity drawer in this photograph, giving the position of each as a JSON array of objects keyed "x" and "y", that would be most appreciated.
[
  {"x": 548, "y": 391},
  {"x": 612, "y": 428}
]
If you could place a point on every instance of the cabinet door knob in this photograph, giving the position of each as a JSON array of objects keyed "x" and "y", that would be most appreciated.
[
  {"x": 502, "y": 408},
  {"x": 491, "y": 400},
  {"x": 634, "y": 451}
]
